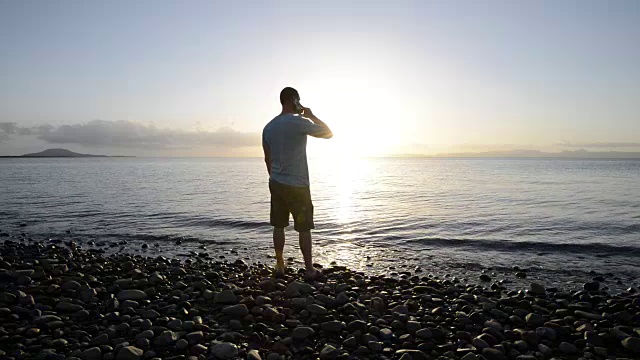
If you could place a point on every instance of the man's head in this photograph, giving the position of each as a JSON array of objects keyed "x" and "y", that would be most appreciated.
[{"x": 289, "y": 97}]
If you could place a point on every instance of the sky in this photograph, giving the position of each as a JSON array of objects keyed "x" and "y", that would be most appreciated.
[{"x": 202, "y": 78}]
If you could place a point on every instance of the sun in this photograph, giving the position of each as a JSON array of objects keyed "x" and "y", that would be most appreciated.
[{"x": 364, "y": 123}]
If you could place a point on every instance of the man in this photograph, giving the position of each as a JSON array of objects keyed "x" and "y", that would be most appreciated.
[{"x": 284, "y": 141}]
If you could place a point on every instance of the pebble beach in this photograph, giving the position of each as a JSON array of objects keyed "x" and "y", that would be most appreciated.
[{"x": 60, "y": 301}]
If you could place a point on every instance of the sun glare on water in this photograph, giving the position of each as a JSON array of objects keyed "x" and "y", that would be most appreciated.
[{"x": 364, "y": 118}]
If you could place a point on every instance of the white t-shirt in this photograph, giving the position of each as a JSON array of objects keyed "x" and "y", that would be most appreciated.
[{"x": 285, "y": 137}]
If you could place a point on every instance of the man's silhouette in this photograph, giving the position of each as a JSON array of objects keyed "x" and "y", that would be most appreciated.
[{"x": 284, "y": 140}]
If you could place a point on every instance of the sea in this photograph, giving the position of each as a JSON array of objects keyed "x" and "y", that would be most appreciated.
[{"x": 559, "y": 221}]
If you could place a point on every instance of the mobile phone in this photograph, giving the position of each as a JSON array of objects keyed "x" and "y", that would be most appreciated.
[{"x": 299, "y": 107}]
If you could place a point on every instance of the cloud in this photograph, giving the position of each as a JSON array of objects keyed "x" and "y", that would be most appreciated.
[
  {"x": 8, "y": 127},
  {"x": 130, "y": 134},
  {"x": 11, "y": 128},
  {"x": 600, "y": 145}
]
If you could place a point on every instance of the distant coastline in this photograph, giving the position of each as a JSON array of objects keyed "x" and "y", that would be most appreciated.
[
  {"x": 530, "y": 154},
  {"x": 58, "y": 153}
]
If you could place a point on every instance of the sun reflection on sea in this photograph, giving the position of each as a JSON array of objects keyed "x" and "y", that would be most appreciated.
[{"x": 345, "y": 181}]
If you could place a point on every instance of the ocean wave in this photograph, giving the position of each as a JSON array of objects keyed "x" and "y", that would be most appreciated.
[
  {"x": 537, "y": 246},
  {"x": 214, "y": 223}
]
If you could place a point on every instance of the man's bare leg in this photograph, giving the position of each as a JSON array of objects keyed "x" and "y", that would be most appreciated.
[
  {"x": 305, "y": 247},
  {"x": 278, "y": 245}
]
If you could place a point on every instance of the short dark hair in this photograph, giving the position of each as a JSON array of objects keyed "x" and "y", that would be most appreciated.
[{"x": 288, "y": 94}]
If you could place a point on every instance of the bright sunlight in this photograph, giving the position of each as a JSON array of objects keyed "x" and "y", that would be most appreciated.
[{"x": 363, "y": 113}]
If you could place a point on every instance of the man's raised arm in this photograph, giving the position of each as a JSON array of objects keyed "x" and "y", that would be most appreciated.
[{"x": 318, "y": 129}]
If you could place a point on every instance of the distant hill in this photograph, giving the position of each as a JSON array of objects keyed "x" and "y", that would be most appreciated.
[
  {"x": 59, "y": 153},
  {"x": 566, "y": 154},
  {"x": 533, "y": 154}
]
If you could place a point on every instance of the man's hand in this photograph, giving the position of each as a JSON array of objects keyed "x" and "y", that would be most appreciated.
[
  {"x": 325, "y": 132},
  {"x": 306, "y": 112}
]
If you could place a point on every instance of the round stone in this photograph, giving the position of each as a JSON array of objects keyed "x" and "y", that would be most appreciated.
[
  {"x": 224, "y": 350},
  {"x": 537, "y": 289},
  {"x": 333, "y": 326},
  {"x": 239, "y": 310},
  {"x": 413, "y": 326},
  {"x": 102, "y": 339},
  {"x": 225, "y": 297},
  {"x": 316, "y": 309},
  {"x": 129, "y": 353},
  {"x": 632, "y": 344},
  {"x": 328, "y": 352},
  {"x": 93, "y": 353},
  {"x": 132, "y": 294},
  {"x": 67, "y": 307},
  {"x": 535, "y": 319},
  {"x": 567, "y": 348},
  {"x": 166, "y": 338},
  {"x": 493, "y": 354},
  {"x": 145, "y": 334},
  {"x": 182, "y": 344},
  {"x": 302, "y": 332}
]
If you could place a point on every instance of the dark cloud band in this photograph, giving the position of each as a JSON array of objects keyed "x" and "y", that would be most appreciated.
[{"x": 131, "y": 134}]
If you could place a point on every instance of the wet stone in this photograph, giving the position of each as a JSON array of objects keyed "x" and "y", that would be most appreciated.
[
  {"x": 470, "y": 356},
  {"x": 329, "y": 352},
  {"x": 129, "y": 353},
  {"x": 412, "y": 354},
  {"x": 535, "y": 319},
  {"x": 350, "y": 342},
  {"x": 150, "y": 314},
  {"x": 253, "y": 355},
  {"x": 567, "y": 348},
  {"x": 413, "y": 326},
  {"x": 334, "y": 326},
  {"x": 357, "y": 325},
  {"x": 386, "y": 334},
  {"x": 493, "y": 354},
  {"x": 166, "y": 338},
  {"x": 224, "y": 350},
  {"x": 225, "y": 297},
  {"x": 67, "y": 307},
  {"x": 302, "y": 332},
  {"x": 175, "y": 325},
  {"x": 143, "y": 343},
  {"x": 316, "y": 309},
  {"x": 239, "y": 310},
  {"x": 479, "y": 343},
  {"x": 93, "y": 353},
  {"x": 632, "y": 344},
  {"x": 424, "y": 334},
  {"x": 588, "y": 315},
  {"x": 537, "y": 289},
  {"x": 102, "y": 339},
  {"x": 145, "y": 334},
  {"x": 132, "y": 294},
  {"x": 182, "y": 344}
]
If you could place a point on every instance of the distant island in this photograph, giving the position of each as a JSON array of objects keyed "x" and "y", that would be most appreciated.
[{"x": 57, "y": 153}]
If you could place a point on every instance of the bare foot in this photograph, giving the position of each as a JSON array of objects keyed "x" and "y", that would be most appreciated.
[
  {"x": 312, "y": 274},
  {"x": 279, "y": 270}
]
